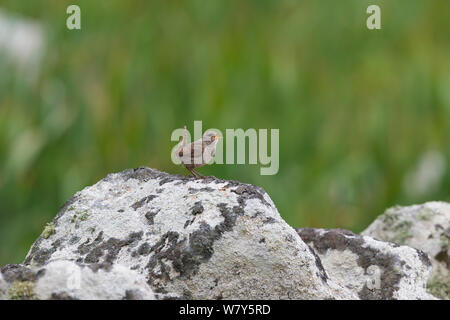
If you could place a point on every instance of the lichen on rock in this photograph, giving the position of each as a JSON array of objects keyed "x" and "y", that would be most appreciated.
[
  {"x": 3, "y": 288},
  {"x": 425, "y": 227},
  {"x": 48, "y": 230},
  {"x": 21, "y": 290},
  {"x": 373, "y": 269}
]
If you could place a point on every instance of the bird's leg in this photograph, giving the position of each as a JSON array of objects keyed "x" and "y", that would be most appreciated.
[
  {"x": 193, "y": 172},
  {"x": 184, "y": 136},
  {"x": 200, "y": 175}
]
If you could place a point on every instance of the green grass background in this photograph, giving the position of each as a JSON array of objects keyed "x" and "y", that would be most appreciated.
[{"x": 356, "y": 108}]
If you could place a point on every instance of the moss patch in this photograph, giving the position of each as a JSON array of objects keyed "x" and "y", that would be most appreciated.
[
  {"x": 389, "y": 218},
  {"x": 439, "y": 287},
  {"x": 401, "y": 232},
  {"x": 49, "y": 230},
  {"x": 444, "y": 241},
  {"x": 425, "y": 214},
  {"x": 21, "y": 290},
  {"x": 80, "y": 216}
]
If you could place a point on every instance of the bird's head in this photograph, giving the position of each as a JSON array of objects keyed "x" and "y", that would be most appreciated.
[{"x": 211, "y": 136}]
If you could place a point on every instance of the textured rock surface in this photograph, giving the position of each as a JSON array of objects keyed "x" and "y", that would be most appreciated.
[
  {"x": 372, "y": 269},
  {"x": 62, "y": 279},
  {"x": 145, "y": 234},
  {"x": 200, "y": 239},
  {"x": 3, "y": 288},
  {"x": 425, "y": 227}
]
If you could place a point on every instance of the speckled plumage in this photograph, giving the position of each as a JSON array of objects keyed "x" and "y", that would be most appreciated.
[{"x": 199, "y": 152}]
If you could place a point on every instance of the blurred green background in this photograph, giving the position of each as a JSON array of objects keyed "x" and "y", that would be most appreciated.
[{"x": 364, "y": 116}]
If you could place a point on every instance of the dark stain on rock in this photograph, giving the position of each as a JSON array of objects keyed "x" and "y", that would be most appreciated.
[
  {"x": 74, "y": 240},
  {"x": 186, "y": 255},
  {"x": 424, "y": 258},
  {"x": 150, "y": 215},
  {"x": 338, "y": 239},
  {"x": 113, "y": 247},
  {"x": 144, "y": 249},
  {"x": 57, "y": 243},
  {"x": 258, "y": 213},
  {"x": 188, "y": 222},
  {"x": 85, "y": 247},
  {"x": 230, "y": 217},
  {"x": 322, "y": 273},
  {"x": 143, "y": 201},
  {"x": 106, "y": 266},
  {"x": 204, "y": 189},
  {"x": 167, "y": 248},
  {"x": 187, "y": 295},
  {"x": 34, "y": 249},
  {"x": 269, "y": 220},
  {"x": 18, "y": 272},
  {"x": 133, "y": 295},
  {"x": 247, "y": 191},
  {"x": 41, "y": 256},
  {"x": 134, "y": 238},
  {"x": 289, "y": 238},
  {"x": 94, "y": 255},
  {"x": 331, "y": 239},
  {"x": 62, "y": 296},
  {"x": 108, "y": 249},
  {"x": 165, "y": 180},
  {"x": 197, "y": 208},
  {"x": 201, "y": 242}
]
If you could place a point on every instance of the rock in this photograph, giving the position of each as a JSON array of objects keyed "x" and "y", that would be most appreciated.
[
  {"x": 370, "y": 268},
  {"x": 425, "y": 227},
  {"x": 146, "y": 234},
  {"x": 194, "y": 239},
  {"x": 67, "y": 280},
  {"x": 3, "y": 288}
]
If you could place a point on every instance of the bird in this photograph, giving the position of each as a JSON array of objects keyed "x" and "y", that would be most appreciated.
[{"x": 199, "y": 152}]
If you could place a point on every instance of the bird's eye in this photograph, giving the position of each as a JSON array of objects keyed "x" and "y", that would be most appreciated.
[{"x": 213, "y": 138}]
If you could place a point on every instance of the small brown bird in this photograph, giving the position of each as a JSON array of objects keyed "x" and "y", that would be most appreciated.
[{"x": 199, "y": 152}]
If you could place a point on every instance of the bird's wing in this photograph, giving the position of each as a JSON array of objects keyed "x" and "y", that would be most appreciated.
[
  {"x": 209, "y": 153},
  {"x": 192, "y": 153}
]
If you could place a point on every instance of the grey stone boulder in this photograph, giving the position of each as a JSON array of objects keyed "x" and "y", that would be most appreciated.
[
  {"x": 425, "y": 227},
  {"x": 372, "y": 269},
  {"x": 3, "y": 288},
  {"x": 67, "y": 280},
  {"x": 182, "y": 237}
]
